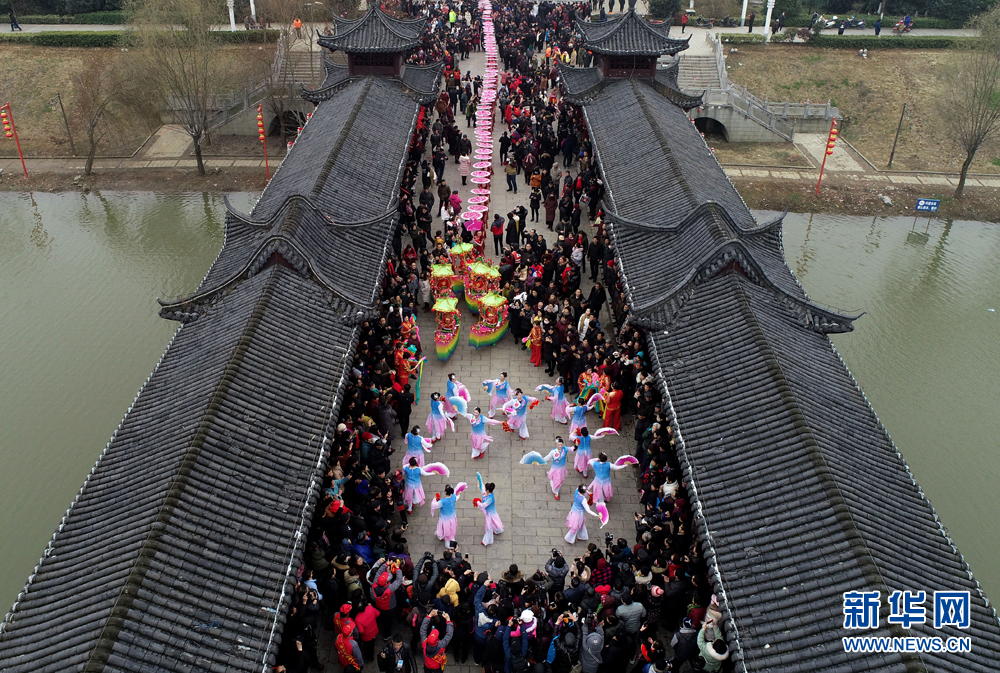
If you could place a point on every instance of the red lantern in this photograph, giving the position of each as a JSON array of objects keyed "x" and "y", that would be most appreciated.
[
  {"x": 261, "y": 136},
  {"x": 9, "y": 135}
]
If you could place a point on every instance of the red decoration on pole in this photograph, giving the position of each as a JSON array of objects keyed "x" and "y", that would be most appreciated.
[
  {"x": 7, "y": 115},
  {"x": 831, "y": 140},
  {"x": 263, "y": 137}
]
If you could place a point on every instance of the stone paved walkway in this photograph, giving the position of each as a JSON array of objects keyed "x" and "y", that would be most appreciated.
[{"x": 533, "y": 520}]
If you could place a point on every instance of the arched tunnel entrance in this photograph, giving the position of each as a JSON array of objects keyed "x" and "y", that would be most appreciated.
[{"x": 712, "y": 127}]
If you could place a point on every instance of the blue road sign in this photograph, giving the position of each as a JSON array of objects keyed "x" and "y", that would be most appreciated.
[{"x": 927, "y": 205}]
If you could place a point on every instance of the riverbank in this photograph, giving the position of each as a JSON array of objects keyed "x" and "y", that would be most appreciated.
[
  {"x": 163, "y": 181},
  {"x": 835, "y": 197},
  {"x": 866, "y": 199}
]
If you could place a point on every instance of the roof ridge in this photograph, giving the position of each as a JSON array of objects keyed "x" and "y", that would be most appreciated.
[
  {"x": 117, "y": 615},
  {"x": 342, "y": 138},
  {"x": 674, "y": 167}
]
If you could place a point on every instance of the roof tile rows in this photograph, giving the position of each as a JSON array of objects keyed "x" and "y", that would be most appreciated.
[
  {"x": 375, "y": 32},
  {"x": 799, "y": 492},
  {"x": 176, "y": 553},
  {"x": 628, "y": 34}
]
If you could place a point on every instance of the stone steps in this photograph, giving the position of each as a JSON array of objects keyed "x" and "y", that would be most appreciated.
[{"x": 698, "y": 73}]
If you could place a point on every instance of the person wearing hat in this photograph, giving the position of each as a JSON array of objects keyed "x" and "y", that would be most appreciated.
[
  {"x": 367, "y": 624},
  {"x": 433, "y": 644},
  {"x": 348, "y": 651},
  {"x": 593, "y": 644},
  {"x": 684, "y": 644},
  {"x": 383, "y": 592}
]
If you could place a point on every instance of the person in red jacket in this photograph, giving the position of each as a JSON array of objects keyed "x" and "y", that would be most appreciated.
[
  {"x": 368, "y": 630},
  {"x": 348, "y": 652}
]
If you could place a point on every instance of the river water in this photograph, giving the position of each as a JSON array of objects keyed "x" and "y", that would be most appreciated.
[{"x": 79, "y": 334}]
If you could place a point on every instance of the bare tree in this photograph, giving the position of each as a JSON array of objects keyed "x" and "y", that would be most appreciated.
[
  {"x": 96, "y": 87},
  {"x": 179, "y": 59},
  {"x": 276, "y": 73},
  {"x": 974, "y": 109}
]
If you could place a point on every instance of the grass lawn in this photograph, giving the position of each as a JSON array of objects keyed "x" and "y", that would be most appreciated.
[
  {"x": 870, "y": 94},
  {"x": 757, "y": 154},
  {"x": 34, "y": 75}
]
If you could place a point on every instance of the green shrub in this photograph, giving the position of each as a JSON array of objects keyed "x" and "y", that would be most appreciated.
[
  {"x": 90, "y": 18},
  {"x": 113, "y": 38},
  {"x": 106, "y": 38},
  {"x": 248, "y": 36},
  {"x": 805, "y": 20},
  {"x": 741, "y": 38},
  {"x": 891, "y": 42}
]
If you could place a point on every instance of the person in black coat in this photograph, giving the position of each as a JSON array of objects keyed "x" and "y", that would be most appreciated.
[
  {"x": 513, "y": 238},
  {"x": 597, "y": 299},
  {"x": 396, "y": 651},
  {"x": 404, "y": 406}
]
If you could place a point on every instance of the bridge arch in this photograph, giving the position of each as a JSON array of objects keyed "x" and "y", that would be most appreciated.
[{"x": 710, "y": 125}]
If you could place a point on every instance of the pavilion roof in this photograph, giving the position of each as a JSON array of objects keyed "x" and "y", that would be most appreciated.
[
  {"x": 628, "y": 34},
  {"x": 375, "y": 32}
]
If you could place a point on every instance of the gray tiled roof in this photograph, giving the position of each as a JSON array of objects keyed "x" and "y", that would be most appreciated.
[
  {"x": 177, "y": 553},
  {"x": 336, "y": 77},
  {"x": 578, "y": 80},
  {"x": 424, "y": 80},
  {"x": 375, "y": 32},
  {"x": 337, "y": 171},
  {"x": 628, "y": 34},
  {"x": 798, "y": 492}
]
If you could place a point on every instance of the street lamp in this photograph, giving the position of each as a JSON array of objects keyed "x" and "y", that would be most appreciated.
[{"x": 52, "y": 103}]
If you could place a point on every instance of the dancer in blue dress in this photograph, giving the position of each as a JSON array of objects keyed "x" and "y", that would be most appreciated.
[
  {"x": 415, "y": 446},
  {"x": 558, "y": 397},
  {"x": 480, "y": 440},
  {"x": 447, "y": 525},
  {"x": 499, "y": 389},
  {"x": 517, "y": 413},
  {"x": 413, "y": 493},
  {"x": 576, "y": 520},
  {"x": 557, "y": 456},
  {"x": 601, "y": 486},
  {"x": 488, "y": 506},
  {"x": 437, "y": 420},
  {"x": 582, "y": 441},
  {"x": 455, "y": 388}
]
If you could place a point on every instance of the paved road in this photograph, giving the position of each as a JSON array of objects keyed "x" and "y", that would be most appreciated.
[{"x": 534, "y": 520}]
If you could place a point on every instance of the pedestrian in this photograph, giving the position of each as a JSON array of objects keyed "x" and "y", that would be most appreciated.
[
  {"x": 684, "y": 22},
  {"x": 348, "y": 650},
  {"x": 383, "y": 592},
  {"x": 504, "y": 147},
  {"x": 396, "y": 657},
  {"x": 366, "y": 621},
  {"x": 841, "y": 27},
  {"x": 433, "y": 645},
  {"x": 497, "y": 230},
  {"x": 14, "y": 25},
  {"x": 750, "y": 20},
  {"x": 464, "y": 167},
  {"x": 511, "y": 171},
  {"x": 878, "y": 26}
]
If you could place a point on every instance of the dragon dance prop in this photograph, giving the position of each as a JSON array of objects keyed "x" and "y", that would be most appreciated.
[
  {"x": 442, "y": 277},
  {"x": 461, "y": 256},
  {"x": 493, "y": 322},
  {"x": 480, "y": 279},
  {"x": 448, "y": 326}
]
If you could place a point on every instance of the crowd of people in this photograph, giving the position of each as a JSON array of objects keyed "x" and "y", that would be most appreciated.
[{"x": 641, "y": 602}]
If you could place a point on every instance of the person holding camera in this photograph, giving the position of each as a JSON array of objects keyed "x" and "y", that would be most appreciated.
[
  {"x": 396, "y": 657},
  {"x": 433, "y": 645},
  {"x": 556, "y": 570}
]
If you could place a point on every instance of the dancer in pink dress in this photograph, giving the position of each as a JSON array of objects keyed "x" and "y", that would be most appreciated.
[
  {"x": 480, "y": 440},
  {"x": 488, "y": 505},
  {"x": 437, "y": 420},
  {"x": 558, "y": 397},
  {"x": 455, "y": 389}
]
